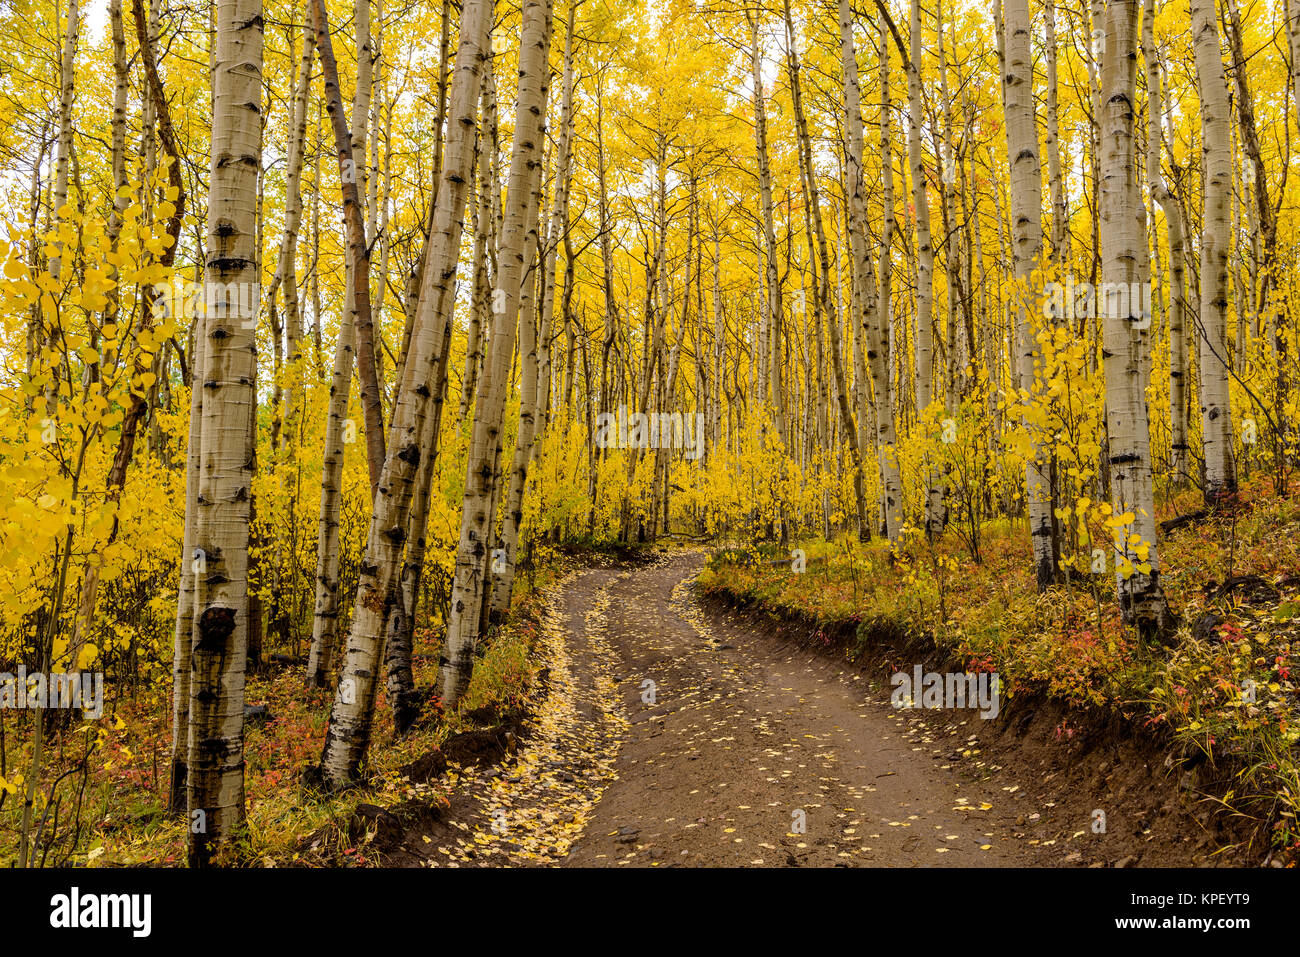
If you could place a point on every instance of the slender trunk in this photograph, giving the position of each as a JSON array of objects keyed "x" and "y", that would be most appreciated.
[
  {"x": 867, "y": 314},
  {"x": 483, "y": 465},
  {"x": 350, "y": 145},
  {"x": 339, "y": 430},
  {"x": 286, "y": 276},
  {"x": 1027, "y": 244},
  {"x": 482, "y": 291},
  {"x": 1215, "y": 373},
  {"x": 775, "y": 306},
  {"x": 1060, "y": 212},
  {"x": 1178, "y": 377},
  {"x": 533, "y": 405},
  {"x": 63, "y": 145},
  {"x": 417, "y": 398}
]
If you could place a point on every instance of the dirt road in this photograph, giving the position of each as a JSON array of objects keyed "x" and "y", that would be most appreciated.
[
  {"x": 671, "y": 734},
  {"x": 746, "y": 750}
]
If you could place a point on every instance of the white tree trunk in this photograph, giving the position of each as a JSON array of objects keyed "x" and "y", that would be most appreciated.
[
  {"x": 215, "y": 774},
  {"x": 1178, "y": 373},
  {"x": 1215, "y": 371},
  {"x": 871, "y": 316},
  {"x": 353, "y": 710},
  {"x": 483, "y": 465},
  {"x": 1126, "y": 332},
  {"x": 530, "y": 428},
  {"x": 1027, "y": 245}
]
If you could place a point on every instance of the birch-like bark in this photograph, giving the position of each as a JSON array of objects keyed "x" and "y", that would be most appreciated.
[
  {"x": 1126, "y": 331},
  {"x": 353, "y": 710},
  {"x": 504, "y": 548},
  {"x": 286, "y": 276},
  {"x": 868, "y": 313},
  {"x": 924, "y": 342},
  {"x": 1160, "y": 194},
  {"x": 945, "y": 154},
  {"x": 1055, "y": 186},
  {"x": 483, "y": 465},
  {"x": 482, "y": 291},
  {"x": 530, "y": 428},
  {"x": 399, "y": 646},
  {"x": 339, "y": 430},
  {"x": 1292, "y": 8},
  {"x": 1027, "y": 246},
  {"x": 775, "y": 306},
  {"x": 1215, "y": 369},
  {"x": 121, "y": 84},
  {"x": 137, "y": 407},
  {"x": 351, "y": 148},
  {"x": 825, "y": 311},
  {"x": 215, "y": 774},
  {"x": 63, "y": 144}
]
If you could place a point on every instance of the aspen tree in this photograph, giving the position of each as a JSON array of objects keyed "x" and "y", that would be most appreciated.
[
  {"x": 400, "y": 643},
  {"x": 339, "y": 430},
  {"x": 1056, "y": 190},
  {"x": 417, "y": 398},
  {"x": 1126, "y": 332},
  {"x": 775, "y": 306},
  {"x": 483, "y": 467},
  {"x": 1027, "y": 244},
  {"x": 1160, "y": 194},
  {"x": 534, "y": 405},
  {"x": 286, "y": 276},
  {"x": 824, "y": 310},
  {"x": 870, "y": 315},
  {"x": 482, "y": 290},
  {"x": 924, "y": 338},
  {"x": 1292, "y": 11},
  {"x": 63, "y": 144},
  {"x": 138, "y": 405},
  {"x": 215, "y": 772},
  {"x": 1215, "y": 372}
]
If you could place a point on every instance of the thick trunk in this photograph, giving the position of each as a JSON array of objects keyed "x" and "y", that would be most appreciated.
[
  {"x": 215, "y": 778},
  {"x": 1126, "y": 332}
]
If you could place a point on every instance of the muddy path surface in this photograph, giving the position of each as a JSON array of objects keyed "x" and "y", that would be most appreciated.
[{"x": 674, "y": 734}]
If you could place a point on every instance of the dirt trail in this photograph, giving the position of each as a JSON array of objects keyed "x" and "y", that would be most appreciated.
[
  {"x": 755, "y": 752},
  {"x": 674, "y": 735}
]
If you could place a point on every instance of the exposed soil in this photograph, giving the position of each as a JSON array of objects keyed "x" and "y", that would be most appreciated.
[{"x": 677, "y": 734}]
